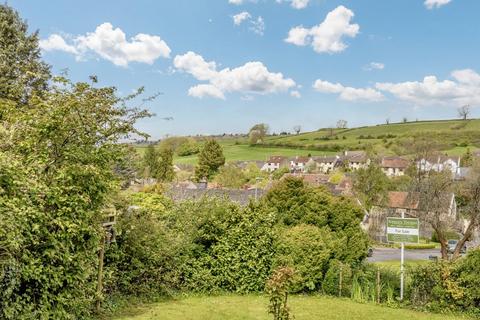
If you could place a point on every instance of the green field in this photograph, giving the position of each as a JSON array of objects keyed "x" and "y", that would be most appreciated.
[
  {"x": 254, "y": 307},
  {"x": 454, "y": 136},
  {"x": 236, "y": 152}
]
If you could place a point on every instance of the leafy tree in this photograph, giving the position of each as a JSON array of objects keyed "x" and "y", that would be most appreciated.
[
  {"x": 57, "y": 160},
  {"x": 371, "y": 186},
  {"x": 151, "y": 161},
  {"x": 187, "y": 147},
  {"x": 230, "y": 176},
  {"x": 211, "y": 158},
  {"x": 165, "y": 170},
  {"x": 278, "y": 286},
  {"x": 22, "y": 73},
  {"x": 257, "y": 133}
]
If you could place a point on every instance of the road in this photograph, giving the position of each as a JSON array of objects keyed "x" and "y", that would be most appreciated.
[{"x": 387, "y": 254}]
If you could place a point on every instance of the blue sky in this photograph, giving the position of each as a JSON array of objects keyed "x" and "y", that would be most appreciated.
[{"x": 287, "y": 63}]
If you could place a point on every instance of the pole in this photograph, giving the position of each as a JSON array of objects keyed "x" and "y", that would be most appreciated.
[
  {"x": 402, "y": 260},
  {"x": 101, "y": 255}
]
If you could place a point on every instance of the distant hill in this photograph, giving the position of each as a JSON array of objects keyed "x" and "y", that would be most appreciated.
[{"x": 453, "y": 136}]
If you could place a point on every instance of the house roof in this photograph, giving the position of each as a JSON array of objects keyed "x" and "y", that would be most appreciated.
[
  {"x": 441, "y": 158},
  {"x": 300, "y": 159},
  {"x": 325, "y": 159},
  {"x": 394, "y": 162},
  {"x": 276, "y": 159},
  {"x": 314, "y": 179},
  {"x": 402, "y": 200},
  {"x": 355, "y": 156}
]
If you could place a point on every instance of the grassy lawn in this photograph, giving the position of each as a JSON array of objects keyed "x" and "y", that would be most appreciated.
[
  {"x": 254, "y": 307},
  {"x": 395, "y": 264}
]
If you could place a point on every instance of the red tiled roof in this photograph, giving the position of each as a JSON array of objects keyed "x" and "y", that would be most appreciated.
[{"x": 394, "y": 162}]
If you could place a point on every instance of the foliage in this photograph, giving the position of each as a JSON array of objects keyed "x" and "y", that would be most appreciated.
[
  {"x": 142, "y": 259},
  {"x": 59, "y": 177},
  {"x": 279, "y": 173},
  {"x": 371, "y": 186},
  {"x": 308, "y": 250},
  {"x": 211, "y": 158},
  {"x": 187, "y": 147},
  {"x": 448, "y": 286},
  {"x": 230, "y": 176},
  {"x": 150, "y": 161},
  {"x": 22, "y": 73},
  {"x": 278, "y": 286},
  {"x": 165, "y": 172},
  {"x": 257, "y": 133}
]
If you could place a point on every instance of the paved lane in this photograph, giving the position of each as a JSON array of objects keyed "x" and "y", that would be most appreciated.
[{"x": 386, "y": 254}]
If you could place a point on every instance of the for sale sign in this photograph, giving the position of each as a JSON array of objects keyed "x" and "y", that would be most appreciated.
[{"x": 404, "y": 230}]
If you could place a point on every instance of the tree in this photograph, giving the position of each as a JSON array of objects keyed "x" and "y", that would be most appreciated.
[
  {"x": 464, "y": 112},
  {"x": 371, "y": 186},
  {"x": 433, "y": 191},
  {"x": 230, "y": 176},
  {"x": 57, "y": 159},
  {"x": 210, "y": 159},
  {"x": 278, "y": 286},
  {"x": 22, "y": 72},
  {"x": 467, "y": 159},
  {"x": 165, "y": 172},
  {"x": 469, "y": 193},
  {"x": 257, "y": 133},
  {"x": 150, "y": 161},
  {"x": 297, "y": 129},
  {"x": 342, "y": 124}
]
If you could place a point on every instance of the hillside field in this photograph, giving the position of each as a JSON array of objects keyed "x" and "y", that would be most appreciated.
[
  {"x": 453, "y": 137},
  {"x": 251, "y": 307}
]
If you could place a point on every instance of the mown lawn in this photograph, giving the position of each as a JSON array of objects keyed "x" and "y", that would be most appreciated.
[{"x": 254, "y": 307}]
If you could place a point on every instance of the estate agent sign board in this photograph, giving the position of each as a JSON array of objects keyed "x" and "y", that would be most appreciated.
[{"x": 402, "y": 230}]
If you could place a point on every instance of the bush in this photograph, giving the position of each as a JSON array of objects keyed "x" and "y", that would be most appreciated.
[
  {"x": 308, "y": 250},
  {"x": 445, "y": 286}
]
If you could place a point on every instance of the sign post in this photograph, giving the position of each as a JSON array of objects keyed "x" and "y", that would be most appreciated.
[{"x": 402, "y": 230}]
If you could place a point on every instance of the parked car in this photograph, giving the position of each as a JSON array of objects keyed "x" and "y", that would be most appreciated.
[{"x": 452, "y": 244}]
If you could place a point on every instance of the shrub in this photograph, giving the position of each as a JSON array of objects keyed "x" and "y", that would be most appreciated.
[{"x": 308, "y": 250}]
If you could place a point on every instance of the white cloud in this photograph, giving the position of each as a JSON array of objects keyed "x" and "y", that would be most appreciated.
[
  {"x": 348, "y": 93},
  {"x": 239, "y": 18},
  {"x": 56, "y": 42},
  {"x": 112, "y": 45},
  {"x": 257, "y": 25},
  {"x": 374, "y": 66},
  {"x": 252, "y": 77},
  {"x": 328, "y": 35},
  {"x": 463, "y": 89},
  {"x": 431, "y": 4},
  {"x": 295, "y": 94},
  {"x": 204, "y": 90},
  {"x": 297, "y": 4}
]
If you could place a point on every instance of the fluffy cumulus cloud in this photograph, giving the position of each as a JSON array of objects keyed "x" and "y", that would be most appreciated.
[
  {"x": 431, "y": 4},
  {"x": 111, "y": 44},
  {"x": 239, "y": 18},
  {"x": 348, "y": 93},
  {"x": 328, "y": 36},
  {"x": 463, "y": 88},
  {"x": 252, "y": 77}
]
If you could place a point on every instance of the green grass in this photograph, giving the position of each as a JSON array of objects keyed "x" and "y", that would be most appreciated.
[
  {"x": 237, "y": 152},
  {"x": 455, "y": 136},
  {"x": 254, "y": 307},
  {"x": 395, "y": 264}
]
